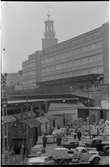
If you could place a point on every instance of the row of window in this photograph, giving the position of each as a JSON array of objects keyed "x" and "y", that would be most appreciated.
[
  {"x": 88, "y": 66},
  {"x": 31, "y": 73},
  {"x": 29, "y": 81},
  {"x": 29, "y": 86},
  {"x": 71, "y": 64},
  {"x": 74, "y": 73},
  {"x": 76, "y": 51},
  {"x": 27, "y": 69},
  {"x": 74, "y": 57},
  {"x": 29, "y": 64}
]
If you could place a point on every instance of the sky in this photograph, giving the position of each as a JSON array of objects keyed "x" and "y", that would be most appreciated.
[{"x": 23, "y": 26}]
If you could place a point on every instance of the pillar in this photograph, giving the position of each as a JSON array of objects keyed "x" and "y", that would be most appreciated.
[
  {"x": 39, "y": 109},
  {"x": 46, "y": 107},
  {"x": 21, "y": 109},
  {"x": 31, "y": 107}
]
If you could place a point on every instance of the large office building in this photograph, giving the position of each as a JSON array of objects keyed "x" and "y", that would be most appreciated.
[
  {"x": 31, "y": 71},
  {"x": 69, "y": 66},
  {"x": 82, "y": 55},
  {"x": 73, "y": 68}
]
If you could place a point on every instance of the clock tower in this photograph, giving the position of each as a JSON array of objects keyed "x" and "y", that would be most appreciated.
[{"x": 49, "y": 35}]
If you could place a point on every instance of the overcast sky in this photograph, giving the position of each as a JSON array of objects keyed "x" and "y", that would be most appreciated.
[{"x": 23, "y": 25}]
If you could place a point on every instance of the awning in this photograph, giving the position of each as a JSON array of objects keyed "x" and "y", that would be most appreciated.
[
  {"x": 60, "y": 112},
  {"x": 64, "y": 106},
  {"x": 32, "y": 122},
  {"x": 42, "y": 119},
  {"x": 93, "y": 108}
]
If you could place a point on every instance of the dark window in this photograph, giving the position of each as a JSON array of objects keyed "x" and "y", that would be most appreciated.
[
  {"x": 101, "y": 114},
  {"x": 84, "y": 151},
  {"x": 54, "y": 123}
]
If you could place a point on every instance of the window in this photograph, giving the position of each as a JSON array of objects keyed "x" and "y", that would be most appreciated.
[
  {"x": 75, "y": 51},
  {"x": 93, "y": 70},
  {"x": 54, "y": 123},
  {"x": 84, "y": 151},
  {"x": 93, "y": 46},
  {"x": 99, "y": 45},
  {"x": 92, "y": 59},
  {"x": 47, "y": 60},
  {"x": 84, "y": 61},
  {"x": 99, "y": 57},
  {"x": 100, "y": 69},
  {"x": 76, "y": 63},
  {"x": 58, "y": 67},
  {"x": 84, "y": 49},
  {"x": 101, "y": 114},
  {"x": 87, "y": 48}
]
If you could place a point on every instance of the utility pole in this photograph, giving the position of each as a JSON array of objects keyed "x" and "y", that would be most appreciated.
[
  {"x": 27, "y": 140},
  {"x": 89, "y": 115},
  {"x": 4, "y": 119}
]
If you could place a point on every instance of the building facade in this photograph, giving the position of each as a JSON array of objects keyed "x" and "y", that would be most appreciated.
[
  {"x": 58, "y": 64},
  {"x": 14, "y": 80},
  {"x": 83, "y": 55},
  {"x": 49, "y": 35},
  {"x": 30, "y": 70}
]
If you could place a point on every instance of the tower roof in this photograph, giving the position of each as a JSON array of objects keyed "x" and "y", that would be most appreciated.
[
  {"x": 48, "y": 15},
  {"x": 49, "y": 35}
]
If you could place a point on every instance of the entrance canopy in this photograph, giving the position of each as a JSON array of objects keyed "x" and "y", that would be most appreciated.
[{"x": 62, "y": 108}]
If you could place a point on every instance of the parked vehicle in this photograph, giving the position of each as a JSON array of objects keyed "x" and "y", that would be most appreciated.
[
  {"x": 62, "y": 156},
  {"x": 101, "y": 146},
  {"x": 105, "y": 148},
  {"x": 83, "y": 155}
]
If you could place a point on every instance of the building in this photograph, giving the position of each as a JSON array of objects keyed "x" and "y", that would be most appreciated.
[
  {"x": 30, "y": 70},
  {"x": 49, "y": 35},
  {"x": 75, "y": 66},
  {"x": 78, "y": 56},
  {"x": 83, "y": 55},
  {"x": 14, "y": 80},
  {"x": 62, "y": 114}
]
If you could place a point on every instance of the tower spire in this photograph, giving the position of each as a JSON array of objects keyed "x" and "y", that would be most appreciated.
[
  {"x": 49, "y": 35},
  {"x": 48, "y": 15}
]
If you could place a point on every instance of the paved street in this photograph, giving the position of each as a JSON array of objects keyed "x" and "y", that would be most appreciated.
[
  {"x": 50, "y": 150},
  {"x": 105, "y": 160}
]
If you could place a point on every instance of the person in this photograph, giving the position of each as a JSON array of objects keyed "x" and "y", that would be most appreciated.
[
  {"x": 79, "y": 135},
  {"x": 67, "y": 131},
  {"x": 22, "y": 151},
  {"x": 59, "y": 140},
  {"x": 75, "y": 133},
  {"x": 16, "y": 148},
  {"x": 98, "y": 132},
  {"x": 44, "y": 141}
]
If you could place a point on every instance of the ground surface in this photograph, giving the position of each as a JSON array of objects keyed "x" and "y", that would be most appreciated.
[{"x": 50, "y": 150}]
